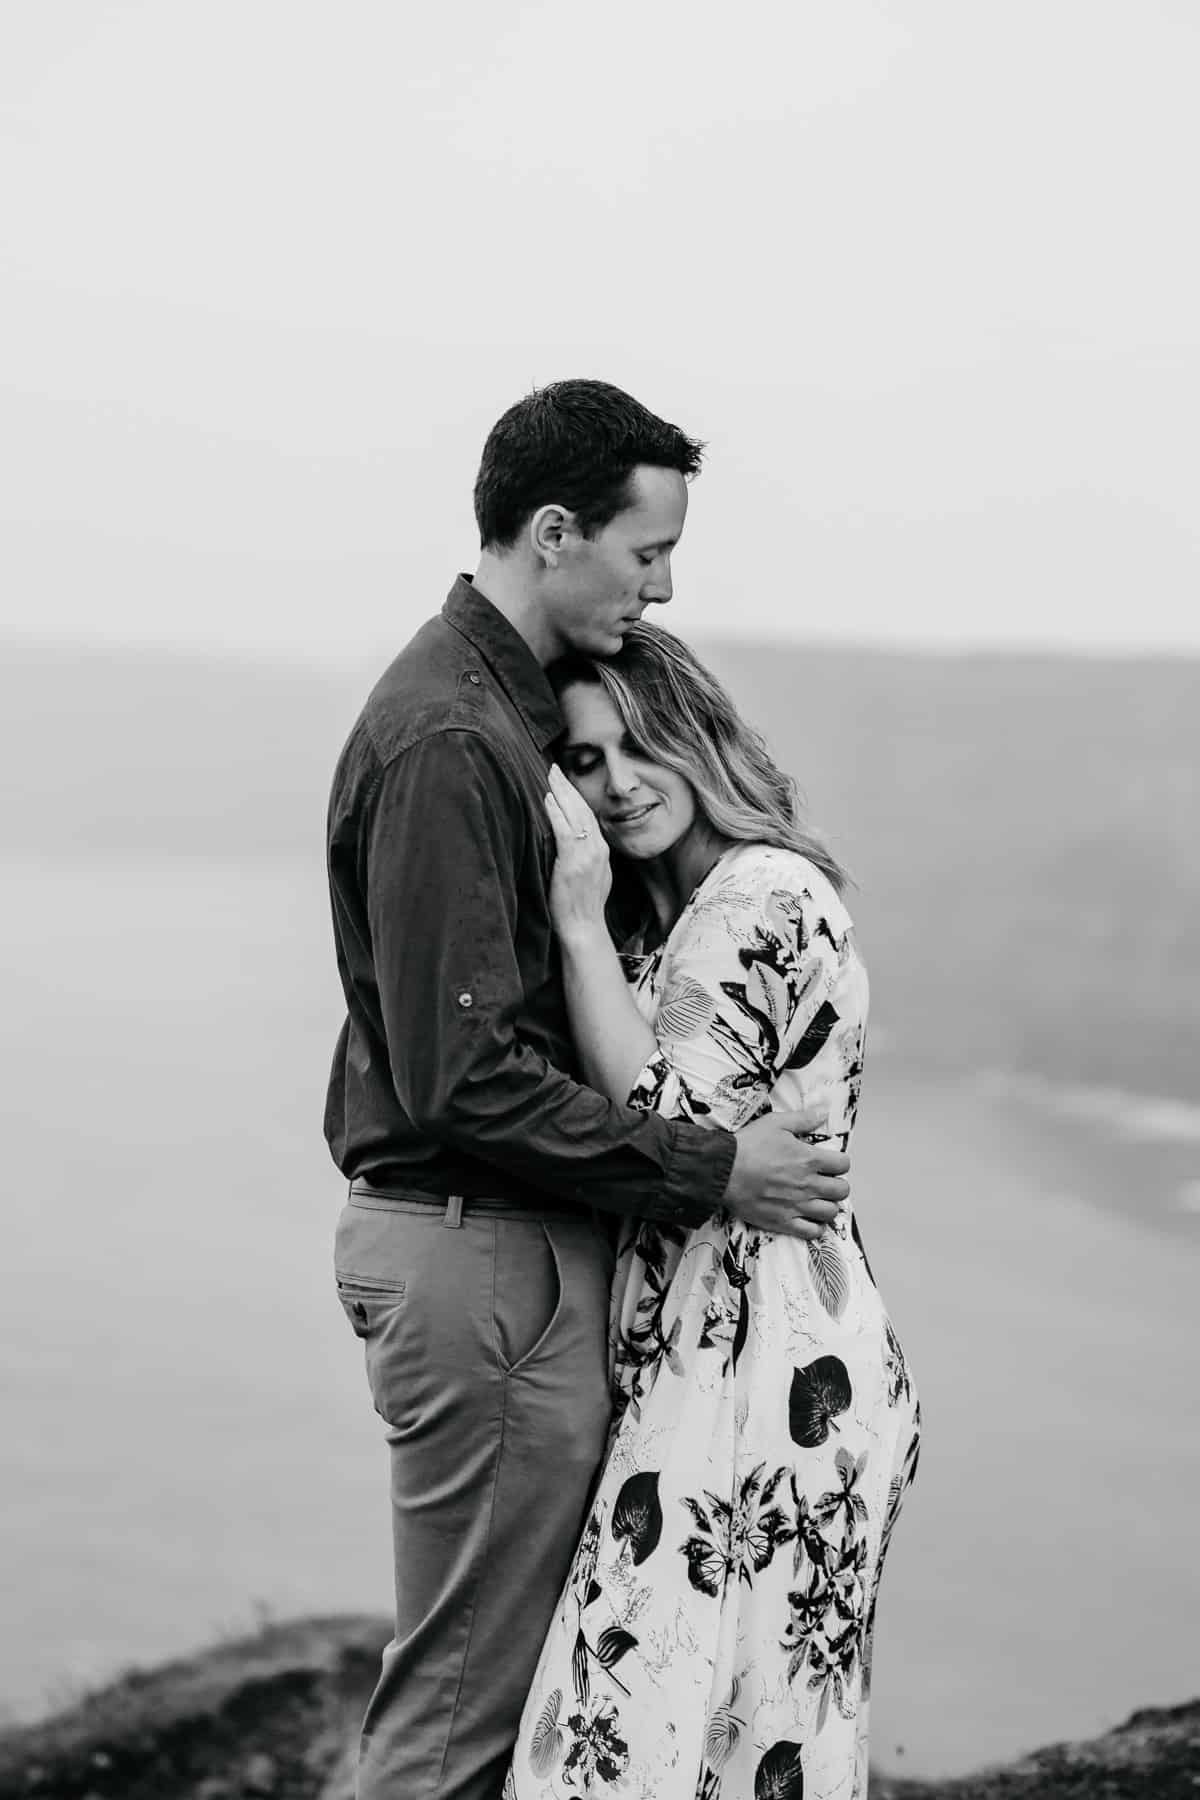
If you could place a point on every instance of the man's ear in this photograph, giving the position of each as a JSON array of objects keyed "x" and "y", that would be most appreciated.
[{"x": 549, "y": 528}]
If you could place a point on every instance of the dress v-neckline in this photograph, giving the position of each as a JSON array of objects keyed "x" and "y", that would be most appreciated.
[{"x": 644, "y": 957}]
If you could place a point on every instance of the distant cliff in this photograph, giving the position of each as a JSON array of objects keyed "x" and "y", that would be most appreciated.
[
  {"x": 1022, "y": 828},
  {"x": 274, "y": 1716}
]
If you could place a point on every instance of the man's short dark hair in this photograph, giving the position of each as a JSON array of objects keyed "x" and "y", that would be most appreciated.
[{"x": 575, "y": 443}]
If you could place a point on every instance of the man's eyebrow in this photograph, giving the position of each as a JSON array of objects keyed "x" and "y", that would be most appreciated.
[{"x": 667, "y": 543}]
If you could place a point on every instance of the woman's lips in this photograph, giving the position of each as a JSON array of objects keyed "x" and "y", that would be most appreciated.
[{"x": 634, "y": 816}]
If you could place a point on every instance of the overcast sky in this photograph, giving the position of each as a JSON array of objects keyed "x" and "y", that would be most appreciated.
[{"x": 925, "y": 276}]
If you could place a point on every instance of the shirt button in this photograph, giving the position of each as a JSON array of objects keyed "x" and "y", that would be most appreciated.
[{"x": 464, "y": 999}]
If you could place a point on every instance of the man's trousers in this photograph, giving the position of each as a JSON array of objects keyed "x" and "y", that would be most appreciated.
[{"x": 485, "y": 1338}]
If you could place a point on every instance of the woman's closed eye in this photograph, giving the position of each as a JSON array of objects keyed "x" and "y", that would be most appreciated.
[
  {"x": 585, "y": 759},
  {"x": 580, "y": 761}
]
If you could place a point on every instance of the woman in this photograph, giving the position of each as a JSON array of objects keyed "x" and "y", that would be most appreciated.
[{"x": 714, "y": 1635}]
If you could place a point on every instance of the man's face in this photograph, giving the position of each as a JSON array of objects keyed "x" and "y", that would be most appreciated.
[{"x": 602, "y": 584}]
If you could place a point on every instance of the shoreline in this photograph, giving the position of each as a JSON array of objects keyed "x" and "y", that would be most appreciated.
[{"x": 1052, "y": 1340}]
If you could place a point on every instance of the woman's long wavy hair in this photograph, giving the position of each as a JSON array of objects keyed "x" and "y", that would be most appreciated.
[{"x": 679, "y": 715}]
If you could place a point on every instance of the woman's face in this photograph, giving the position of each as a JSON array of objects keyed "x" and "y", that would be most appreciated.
[{"x": 642, "y": 807}]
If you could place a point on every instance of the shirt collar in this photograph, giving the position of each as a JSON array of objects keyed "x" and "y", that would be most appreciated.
[{"x": 508, "y": 656}]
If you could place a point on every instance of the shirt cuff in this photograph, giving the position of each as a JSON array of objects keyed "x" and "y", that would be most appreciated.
[{"x": 698, "y": 1173}]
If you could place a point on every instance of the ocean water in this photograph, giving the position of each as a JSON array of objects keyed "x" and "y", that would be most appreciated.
[{"x": 188, "y": 1441}]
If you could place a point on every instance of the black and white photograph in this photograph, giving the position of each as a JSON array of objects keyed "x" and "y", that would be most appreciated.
[{"x": 600, "y": 722}]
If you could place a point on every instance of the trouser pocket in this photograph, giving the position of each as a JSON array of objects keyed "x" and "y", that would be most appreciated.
[
  {"x": 527, "y": 1292},
  {"x": 365, "y": 1302}
]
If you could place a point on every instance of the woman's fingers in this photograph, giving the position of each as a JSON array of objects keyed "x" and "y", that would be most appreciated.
[
  {"x": 559, "y": 823},
  {"x": 574, "y": 807}
]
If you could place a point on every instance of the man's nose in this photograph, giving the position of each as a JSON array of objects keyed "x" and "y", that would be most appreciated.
[{"x": 658, "y": 590}]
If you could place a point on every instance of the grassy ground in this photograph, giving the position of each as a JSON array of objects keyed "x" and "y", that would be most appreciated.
[
  {"x": 271, "y": 1714},
  {"x": 275, "y": 1715}
]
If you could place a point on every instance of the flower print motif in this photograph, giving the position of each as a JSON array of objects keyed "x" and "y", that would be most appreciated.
[
  {"x": 719, "y": 1324},
  {"x": 741, "y": 1537},
  {"x": 809, "y": 1541},
  {"x": 829, "y": 1665},
  {"x": 808, "y": 1604},
  {"x": 645, "y": 1345},
  {"x": 597, "y": 1751},
  {"x": 785, "y": 908},
  {"x": 659, "y": 1089},
  {"x": 583, "y": 1570},
  {"x": 847, "y": 1498},
  {"x": 846, "y": 1580},
  {"x": 895, "y": 1368},
  {"x": 647, "y": 1090},
  {"x": 827, "y": 1607}
]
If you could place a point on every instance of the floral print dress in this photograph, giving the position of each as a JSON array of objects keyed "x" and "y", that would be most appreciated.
[{"x": 713, "y": 1641}]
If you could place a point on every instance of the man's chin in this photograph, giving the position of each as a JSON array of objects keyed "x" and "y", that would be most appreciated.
[{"x": 608, "y": 643}]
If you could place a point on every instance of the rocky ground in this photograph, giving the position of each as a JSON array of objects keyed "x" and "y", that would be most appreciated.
[{"x": 274, "y": 1717}]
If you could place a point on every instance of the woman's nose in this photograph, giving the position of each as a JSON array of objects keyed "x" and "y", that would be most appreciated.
[{"x": 622, "y": 776}]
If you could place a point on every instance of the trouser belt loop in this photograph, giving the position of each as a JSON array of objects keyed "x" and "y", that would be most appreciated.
[{"x": 454, "y": 1206}]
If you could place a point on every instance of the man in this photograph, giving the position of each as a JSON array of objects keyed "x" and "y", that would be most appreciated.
[{"x": 469, "y": 1257}]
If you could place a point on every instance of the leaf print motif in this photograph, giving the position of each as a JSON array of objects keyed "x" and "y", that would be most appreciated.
[
  {"x": 742, "y": 1329},
  {"x": 789, "y": 908},
  {"x": 820, "y": 1393},
  {"x": 815, "y": 1037},
  {"x": 688, "y": 1010},
  {"x": 779, "y": 1775},
  {"x": 546, "y": 1744},
  {"x": 769, "y": 993},
  {"x": 825, "y": 1683},
  {"x": 724, "y": 1730},
  {"x": 637, "y": 1517},
  {"x": 829, "y": 1275},
  {"x": 739, "y": 1251},
  {"x": 613, "y": 1644},
  {"x": 579, "y": 1669}
]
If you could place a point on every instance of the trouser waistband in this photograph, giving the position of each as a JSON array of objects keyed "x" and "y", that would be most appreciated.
[{"x": 453, "y": 1206}]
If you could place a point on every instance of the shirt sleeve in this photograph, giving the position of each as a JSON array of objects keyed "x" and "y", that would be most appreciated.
[
  {"x": 746, "y": 993},
  {"x": 446, "y": 834}
]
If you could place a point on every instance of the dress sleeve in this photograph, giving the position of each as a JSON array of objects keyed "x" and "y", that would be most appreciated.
[{"x": 745, "y": 992}]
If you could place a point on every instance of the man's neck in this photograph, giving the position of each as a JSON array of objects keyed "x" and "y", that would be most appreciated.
[{"x": 503, "y": 581}]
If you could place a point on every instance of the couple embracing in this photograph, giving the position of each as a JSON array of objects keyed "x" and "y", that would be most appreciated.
[{"x": 649, "y": 1423}]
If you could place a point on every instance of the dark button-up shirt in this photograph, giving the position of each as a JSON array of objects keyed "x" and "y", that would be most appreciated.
[{"x": 455, "y": 1071}]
